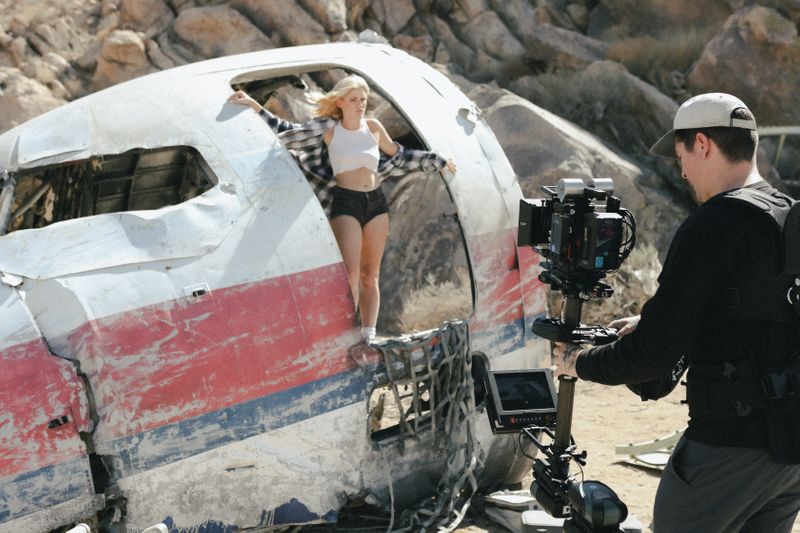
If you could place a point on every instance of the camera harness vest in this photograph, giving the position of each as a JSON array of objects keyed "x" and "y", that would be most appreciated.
[{"x": 739, "y": 387}]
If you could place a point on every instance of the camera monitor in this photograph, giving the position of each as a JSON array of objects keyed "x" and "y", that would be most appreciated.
[{"x": 520, "y": 398}]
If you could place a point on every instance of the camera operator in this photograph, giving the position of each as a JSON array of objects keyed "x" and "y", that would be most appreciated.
[{"x": 736, "y": 467}]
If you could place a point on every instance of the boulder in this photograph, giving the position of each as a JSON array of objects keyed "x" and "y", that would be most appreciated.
[
  {"x": 487, "y": 33},
  {"x": 286, "y": 23},
  {"x": 554, "y": 13},
  {"x": 613, "y": 20},
  {"x": 518, "y": 16},
  {"x": 150, "y": 17},
  {"x": 787, "y": 8},
  {"x": 157, "y": 56},
  {"x": 579, "y": 15},
  {"x": 393, "y": 15},
  {"x": 40, "y": 70},
  {"x": 122, "y": 57},
  {"x": 5, "y": 39},
  {"x": 356, "y": 10},
  {"x": 607, "y": 100},
  {"x": 175, "y": 52},
  {"x": 754, "y": 44},
  {"x": 456, "y": 51},
  {"x": 22, "y": 98},
  {"x": 332, "y": 14},
  {"x": 61, "y": 35},
  {"x": 421, "y": 47},
  {"x": 544, "y": 148},
  {"x": 218, "y": 31},
  {"x": 20, "y": 51},
  {"x": 472, "y": 8},
  {"x": 558, "y": 48}
]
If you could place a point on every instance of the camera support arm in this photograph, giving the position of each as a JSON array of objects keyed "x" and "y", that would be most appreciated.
[
  {"x": 588, "y": 506},
  {"x": 570, "y": 318}
]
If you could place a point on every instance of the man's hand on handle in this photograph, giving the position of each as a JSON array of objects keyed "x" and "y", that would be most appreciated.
[{"x": 564, "y": 357}]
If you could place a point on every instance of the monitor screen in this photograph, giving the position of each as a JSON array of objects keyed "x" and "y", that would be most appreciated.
[{"x": 522, "y": 391}]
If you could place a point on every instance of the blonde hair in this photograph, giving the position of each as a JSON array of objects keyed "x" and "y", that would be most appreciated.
[{"x": 326, "y": 105}]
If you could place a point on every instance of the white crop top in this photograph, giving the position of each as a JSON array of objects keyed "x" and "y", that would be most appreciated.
[{"x": 352, "y": 149}]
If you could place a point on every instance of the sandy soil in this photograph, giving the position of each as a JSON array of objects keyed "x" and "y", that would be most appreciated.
[{"x": 604, "y": 417}]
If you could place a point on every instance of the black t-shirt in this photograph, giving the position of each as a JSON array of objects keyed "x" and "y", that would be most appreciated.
[{"x": 714, "y": 244}]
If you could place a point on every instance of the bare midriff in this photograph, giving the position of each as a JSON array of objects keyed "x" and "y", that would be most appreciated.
[{"x": 359, "y": 179}]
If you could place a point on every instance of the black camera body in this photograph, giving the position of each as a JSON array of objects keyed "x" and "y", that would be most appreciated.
[
  {"x": 582, "y": 233},
  {"x": 581, "y": 239}
]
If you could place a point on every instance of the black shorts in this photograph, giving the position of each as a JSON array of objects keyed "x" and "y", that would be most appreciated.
[{"x": 363, "y": 206}]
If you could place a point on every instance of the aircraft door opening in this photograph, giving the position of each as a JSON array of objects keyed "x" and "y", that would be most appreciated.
[{"x": 425, "y": 277}]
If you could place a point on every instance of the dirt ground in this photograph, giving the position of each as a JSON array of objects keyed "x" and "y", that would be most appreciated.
[{"x": 604, "y": 417}]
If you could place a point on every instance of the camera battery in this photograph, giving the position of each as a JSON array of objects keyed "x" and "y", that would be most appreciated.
[{"x": 602, "y": 239}]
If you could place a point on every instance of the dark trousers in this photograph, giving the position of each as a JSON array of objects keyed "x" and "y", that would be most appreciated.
[{"x": 717, "y": 489}]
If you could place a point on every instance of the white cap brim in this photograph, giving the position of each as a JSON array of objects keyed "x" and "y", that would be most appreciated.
[{"x": 665, "y": 146}]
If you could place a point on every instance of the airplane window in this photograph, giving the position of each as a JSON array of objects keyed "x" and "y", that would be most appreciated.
[
  {"x": 138, "y": 179},
  {"x": 425, "y": 277}
]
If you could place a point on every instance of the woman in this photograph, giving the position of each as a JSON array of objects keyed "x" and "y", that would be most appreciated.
[{"x": 359, "y": 212}]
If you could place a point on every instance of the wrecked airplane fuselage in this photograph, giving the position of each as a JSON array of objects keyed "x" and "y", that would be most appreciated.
[{"x": 179, "y": 342}]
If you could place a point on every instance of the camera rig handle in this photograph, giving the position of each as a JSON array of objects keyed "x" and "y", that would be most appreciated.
[{"x": 556, "y": 330}]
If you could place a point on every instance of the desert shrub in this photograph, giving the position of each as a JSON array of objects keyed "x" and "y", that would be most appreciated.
[{"x": 434, "y": 303}]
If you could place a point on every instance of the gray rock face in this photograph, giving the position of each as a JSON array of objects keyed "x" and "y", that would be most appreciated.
[
  {"x": 150, "y": 17},
  {"x": 613, "y": 20},
  {"x": 393, "y": 15},
  {"x": 22, "y": 98},
  {"x": 609, "y": 74},
  {"x": 218, "y": 31},
  {"x": 285, "y": 22},
  {"x": 556, "y": 46},
  {"x": 122, "y": 57},
  {"x": 754, "y": 45},
  {"x": 488, "y": 33},
  {"x": 332, "y": 14}
]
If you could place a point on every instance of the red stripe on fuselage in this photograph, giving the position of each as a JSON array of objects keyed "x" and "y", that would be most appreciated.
[
  {"x": 159, "y": 364},
  {"x": 163, "y": 363},
  {"x": 35, "y": 390}
]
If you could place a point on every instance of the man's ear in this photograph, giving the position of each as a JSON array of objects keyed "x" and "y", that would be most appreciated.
[{"x": 703, "y": 143}]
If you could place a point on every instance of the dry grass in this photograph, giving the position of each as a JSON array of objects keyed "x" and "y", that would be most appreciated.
[
  {"x": 433, "y": 303},
  {"x": 661, "y": 61}
]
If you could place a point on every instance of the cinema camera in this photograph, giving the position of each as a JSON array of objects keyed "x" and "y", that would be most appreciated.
[{"x": 581, "y": 240}]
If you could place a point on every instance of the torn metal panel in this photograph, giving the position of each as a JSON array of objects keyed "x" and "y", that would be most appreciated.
[
  {"x": 189, "y": 230},
  {"x": 7, "y": 195},
  {"x": 61, "y": 134},
  {"x": 43, "y": 407}
]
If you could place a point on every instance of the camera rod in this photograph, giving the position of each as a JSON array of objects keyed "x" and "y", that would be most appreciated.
[{"x": 571, "y": 318}]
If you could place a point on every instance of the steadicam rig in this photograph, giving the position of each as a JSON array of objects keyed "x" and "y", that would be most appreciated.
[{"x": 583, "y": 234}]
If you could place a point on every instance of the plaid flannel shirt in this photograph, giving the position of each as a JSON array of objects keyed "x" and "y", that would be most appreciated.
[{"x": 304, "y": 142}]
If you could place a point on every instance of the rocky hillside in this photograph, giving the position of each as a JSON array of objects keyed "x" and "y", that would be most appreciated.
[{"x": 544, "y": 72}]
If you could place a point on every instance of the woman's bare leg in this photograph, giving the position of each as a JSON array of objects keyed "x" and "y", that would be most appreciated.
[
  {"x": 348, "y": 235},
  {"x": 373, "y": 241}
]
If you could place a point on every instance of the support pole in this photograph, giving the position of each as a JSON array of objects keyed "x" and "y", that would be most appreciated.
[{"x": 571, "y": 318}]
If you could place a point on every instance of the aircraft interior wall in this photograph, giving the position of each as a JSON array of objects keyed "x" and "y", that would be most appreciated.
[{"x": 138, "y": 179}]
